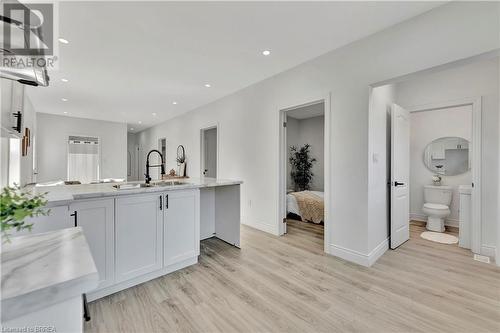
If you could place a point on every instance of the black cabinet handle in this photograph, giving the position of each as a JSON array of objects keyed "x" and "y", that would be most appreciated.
[
  {"x": 398, "y": 184},
  {"x": 19, "y": 116},
  {"x": 166, "y": 201},
  {"x": 161, "y": 202},
  {"x": 75, "y": 215}
]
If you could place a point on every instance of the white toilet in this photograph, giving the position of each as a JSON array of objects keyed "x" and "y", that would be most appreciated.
[{"x": 437, "y": 201}]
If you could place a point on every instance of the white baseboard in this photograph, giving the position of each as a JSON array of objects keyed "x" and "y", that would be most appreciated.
[
  {"x": 262, "y": 226},
  {"x": 359, "y": 258},
  {"x": 96, "y": 294},
  {"x": 378, "y": 251},
  {"x": 423, "y": 218},
  {"x": 489, "y": 251}
]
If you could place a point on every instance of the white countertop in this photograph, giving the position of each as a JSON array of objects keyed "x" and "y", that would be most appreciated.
[
  {"x": 59, "y": 195},
  {"x": 44, "y": 269}
]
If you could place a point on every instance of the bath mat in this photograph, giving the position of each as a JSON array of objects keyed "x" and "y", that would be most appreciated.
[{"x": 439, "y": 237}]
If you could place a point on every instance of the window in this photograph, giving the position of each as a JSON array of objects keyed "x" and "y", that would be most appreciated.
[
  {"x": 14, "y": 162},
  {"x": 83, "y": 159}
]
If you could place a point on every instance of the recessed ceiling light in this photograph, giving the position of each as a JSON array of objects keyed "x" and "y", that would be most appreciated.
[
  {"x": 174, "y": 103},
  {"x": 64, "y": 41},
  {"x": 140, "y": 122},
  {"x": 207, "y": 85},
  {"x": 64, "y": 99},
  {"x": 65, "y": 112},
  {"x": 266, "y": 52},
  {"x": 131, "y": 128},
  {"x": 64, "y": 80},
  {"x": 154, "y": 114}
]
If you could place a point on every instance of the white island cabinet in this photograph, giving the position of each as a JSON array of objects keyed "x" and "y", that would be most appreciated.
[
  {"x": 138, "y": 244},
  {"x": 96, "y": 217},
  {"x": 181, "y": 226},
  {"x": 142, "y": 233}
]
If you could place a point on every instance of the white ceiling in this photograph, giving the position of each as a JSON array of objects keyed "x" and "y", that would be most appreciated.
[
  {"x": 308, "y": 111},
  {"x": 128, "y": 60}
]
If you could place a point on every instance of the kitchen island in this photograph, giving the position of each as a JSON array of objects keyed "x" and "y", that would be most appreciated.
[{"x": 136, "y": 232}]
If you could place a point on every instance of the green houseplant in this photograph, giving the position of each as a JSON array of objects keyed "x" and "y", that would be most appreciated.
[
  {"x": 15, "y": 206},
  {"x": 301, "y": 164}
]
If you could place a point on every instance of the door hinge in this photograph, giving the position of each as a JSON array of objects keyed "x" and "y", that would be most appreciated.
[{"x": 284, "y": 124}]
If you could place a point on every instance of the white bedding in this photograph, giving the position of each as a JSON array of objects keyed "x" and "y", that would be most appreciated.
[{"x": 293, "y": 207}]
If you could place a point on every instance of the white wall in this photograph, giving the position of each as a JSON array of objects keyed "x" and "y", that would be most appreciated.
[
  {"x": 379, "y": 152},
  {"x": 473, "y": 80},
  {"x": 52, "y": 145},
  {"x": 249, "y": 121},
  {"x": 311, "y": 131},
  {"x": 426, "y": 127}
]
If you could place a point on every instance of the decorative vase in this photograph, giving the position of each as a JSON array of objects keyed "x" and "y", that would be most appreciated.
[{"x": 182, "y": 169}]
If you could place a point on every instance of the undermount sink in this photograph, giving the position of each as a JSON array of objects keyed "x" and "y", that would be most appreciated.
[
  {"x": 169, "y": 183},
  {"x": 130, "y": 186},
  {"x": 142, "y": 185}
]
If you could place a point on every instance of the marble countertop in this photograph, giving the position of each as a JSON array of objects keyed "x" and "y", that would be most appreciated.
[
  {"x": 59, "y": 195},
  {"x": 44, "y": 269}
]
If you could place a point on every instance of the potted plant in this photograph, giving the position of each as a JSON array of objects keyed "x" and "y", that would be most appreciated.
[
  {"x": 15, "y": 206},
  {"x": 301, "y": 164}
]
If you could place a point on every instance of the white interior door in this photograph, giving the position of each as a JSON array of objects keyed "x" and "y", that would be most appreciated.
[
  {"x": 400, "y": 176},
  {"x": 210, "y": 156}
]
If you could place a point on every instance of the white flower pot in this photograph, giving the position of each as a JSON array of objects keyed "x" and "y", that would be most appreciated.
[{"x": 182, "y": 170}]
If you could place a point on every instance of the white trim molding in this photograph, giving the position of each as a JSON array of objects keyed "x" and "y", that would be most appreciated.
[
  {"x": 359, "y": 258},
  {"x": 423, "y": 218},
  {"x": 262, "y": 226},
  {"x": 489, "y": 251}
]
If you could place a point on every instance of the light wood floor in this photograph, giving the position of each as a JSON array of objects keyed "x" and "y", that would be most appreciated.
[{"x": 287, "y": 284}]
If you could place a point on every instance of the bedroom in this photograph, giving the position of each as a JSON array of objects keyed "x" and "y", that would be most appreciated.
[{"x": 305, "y": 161}]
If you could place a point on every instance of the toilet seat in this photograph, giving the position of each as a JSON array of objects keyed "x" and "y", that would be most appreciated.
[{"x": 435, "y": 206}]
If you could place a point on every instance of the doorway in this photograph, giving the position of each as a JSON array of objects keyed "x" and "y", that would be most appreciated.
[
  {"x": 209, "y": 152},
  {"x": 304, "y": 134},
  {"x": 435, "y": 166}
]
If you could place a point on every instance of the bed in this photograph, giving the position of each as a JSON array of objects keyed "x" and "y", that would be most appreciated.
[{"x": 307, "y": 205}]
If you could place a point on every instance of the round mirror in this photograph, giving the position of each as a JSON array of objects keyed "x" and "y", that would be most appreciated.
[{"x": 448, "y": 156}]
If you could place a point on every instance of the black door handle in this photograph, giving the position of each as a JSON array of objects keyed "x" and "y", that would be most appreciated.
[
  {"x": 161, "y": 202},
  {"x": 398, "y": 184},
  {"x": 75, "y": 215},
  {"x": 166, "y": 201}
]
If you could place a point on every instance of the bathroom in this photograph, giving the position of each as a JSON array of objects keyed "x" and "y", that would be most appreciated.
[
  {"x": 440, "y": 170},
  {"x": 453, "y": 106}
]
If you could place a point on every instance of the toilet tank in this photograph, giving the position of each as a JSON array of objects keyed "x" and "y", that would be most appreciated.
[{"x": 438, "y": 194}]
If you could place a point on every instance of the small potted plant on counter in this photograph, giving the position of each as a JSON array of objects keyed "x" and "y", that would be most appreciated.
[{"x": 15, "y": 206}]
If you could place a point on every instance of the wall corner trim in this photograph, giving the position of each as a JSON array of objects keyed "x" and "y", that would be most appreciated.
[
  {"x": 359, "y": 258},
  {"x": 262, "y": 226}
]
